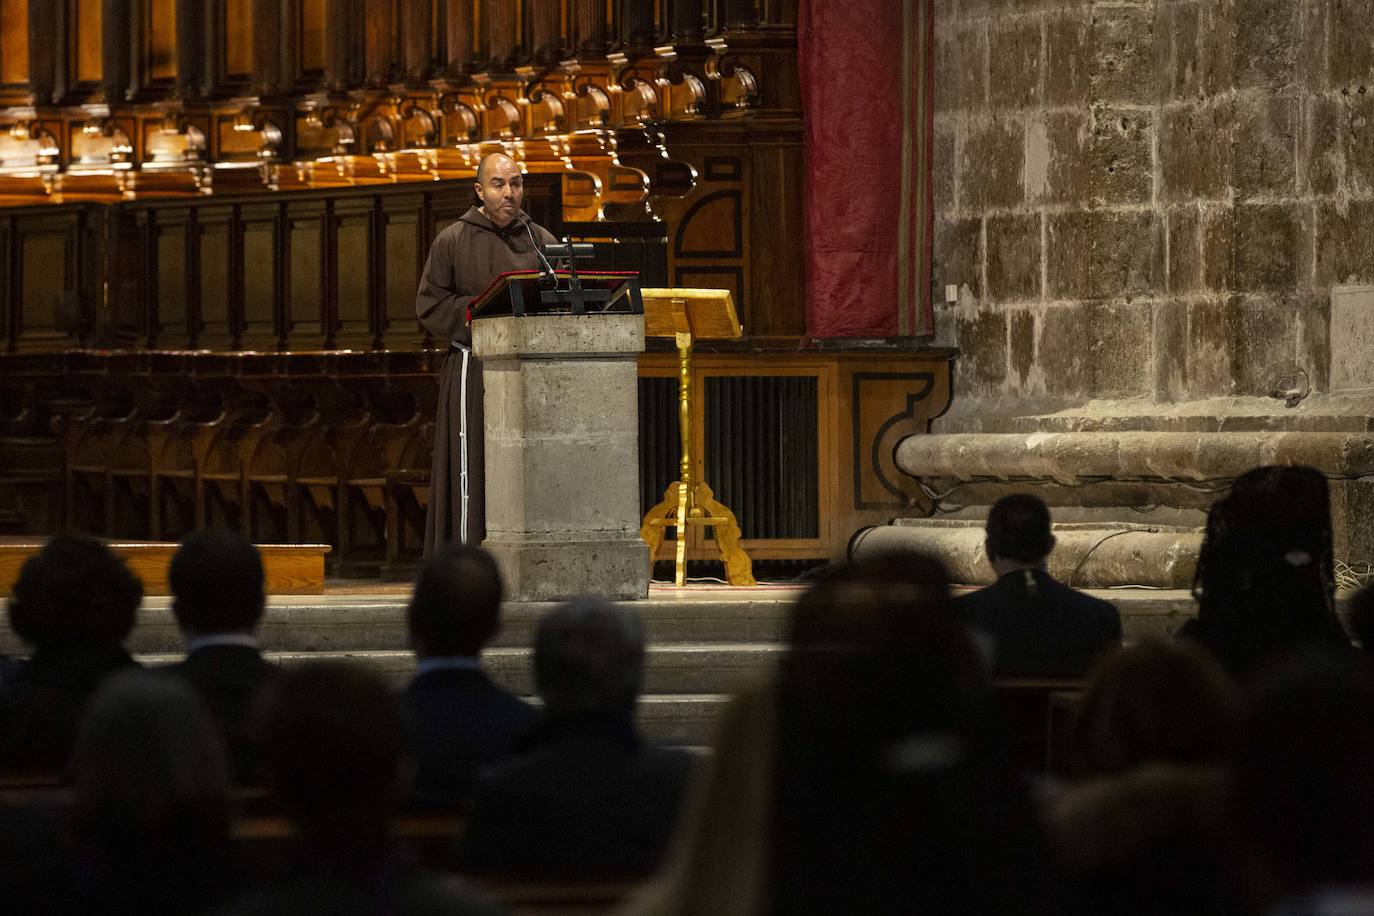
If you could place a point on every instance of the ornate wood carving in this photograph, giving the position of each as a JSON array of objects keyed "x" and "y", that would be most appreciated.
[{"x": 624, "y": 101}]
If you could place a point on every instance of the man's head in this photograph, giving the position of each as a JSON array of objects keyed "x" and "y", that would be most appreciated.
[
  {"x": 1018, "y": 531},
  {"x": 217, "y": 583},
  {"x": 589, "y": 657},
  {"x": 456, "y": 605},
  {"x": 74, "y": 591},
  {"x": 501, "y": 187}
]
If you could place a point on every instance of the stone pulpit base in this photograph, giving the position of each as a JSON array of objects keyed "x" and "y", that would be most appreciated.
[{"x": 562, "y": 454}]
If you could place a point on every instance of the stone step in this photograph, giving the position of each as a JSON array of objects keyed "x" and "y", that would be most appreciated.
[
  {"x": 362, "y": 624},
  {"x": 344, "y": 623},
  {"x": 703, "y": 646},
  {"x": 673, "y": 669},
  {"x": 670, "y": 717}
]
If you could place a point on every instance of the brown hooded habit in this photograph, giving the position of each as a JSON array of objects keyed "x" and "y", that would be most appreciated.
[{"x": 465, "y": 258}]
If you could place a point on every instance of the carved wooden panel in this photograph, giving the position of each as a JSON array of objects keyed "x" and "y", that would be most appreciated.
[
  {"x": 312, "y": 34},
  {"x": 500, "y": 23},
  {"x": 48, "y": 73},
  {"x": 306, "y": 262},
  {"x": 216, "y": 261},
  {"x": 460, "y": 35},
  {"x": 712, "y": 228},
  {"x": 159, "y": 45},
  {"x": 343, "y": 44},
  {"x": 353, "y": 276},
  {"x": 885, "y": 408},
  {"x": 776, "y": 257},
  {"x": 118, "y": 239},
  {"x": 542, "y": 25},
  {"x": 86, "y": 38},
  {"x": 689, "y": 21},
  {"x": 639, "y": 23},
  {"x": 589, "y": 19},
  {"x": 49, "y": 307},
  {"x": 402, "y": 263},
  {"x": 709, "y": 242},
  {"x": 238, "y": 40},
  {"x": 261, "y": 275},
  {"x": 379, "y": 42},
  {"x": 170, "y": 277},
  {"x": 14, "y": 45}
]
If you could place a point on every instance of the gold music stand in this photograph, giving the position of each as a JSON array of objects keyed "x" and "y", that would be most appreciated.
[{"x": 685, "y": 314}]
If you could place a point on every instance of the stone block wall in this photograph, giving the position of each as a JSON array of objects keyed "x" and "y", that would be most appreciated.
[{"x": 1149, "y": 199}]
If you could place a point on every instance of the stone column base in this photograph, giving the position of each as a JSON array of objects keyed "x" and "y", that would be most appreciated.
[{"x": 617, "y": 568}]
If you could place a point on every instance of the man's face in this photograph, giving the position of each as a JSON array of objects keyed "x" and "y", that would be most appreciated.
[{"x": 501, "y": 189}]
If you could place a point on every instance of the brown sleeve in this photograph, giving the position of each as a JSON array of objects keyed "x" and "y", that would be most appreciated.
[{"x": 440, "y": 309}]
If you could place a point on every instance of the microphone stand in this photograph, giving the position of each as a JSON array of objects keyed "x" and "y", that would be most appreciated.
[{"x": 550, "y": 276}]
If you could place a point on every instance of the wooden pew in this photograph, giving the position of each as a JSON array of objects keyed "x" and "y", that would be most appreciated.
[{"x": 1034, "y": 712}]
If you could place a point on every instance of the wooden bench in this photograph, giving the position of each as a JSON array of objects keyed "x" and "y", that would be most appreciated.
[
  {"x": 1035, "y": 712},
  {"x": 288, "y": 569}
]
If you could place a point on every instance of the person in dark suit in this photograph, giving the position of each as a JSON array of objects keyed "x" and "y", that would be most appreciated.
[
  {"x": 218, "y": 601},
  {"x": 1037, "y": 625},
  {"x": 75, "y": 602},
  {"x": 588, "y": 798},
  {"x": 458, "y": 719}
]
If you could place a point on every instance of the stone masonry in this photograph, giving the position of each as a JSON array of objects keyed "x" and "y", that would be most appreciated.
[{"x": 1145, "y": 206}]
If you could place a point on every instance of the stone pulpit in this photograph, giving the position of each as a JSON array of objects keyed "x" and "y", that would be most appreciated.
[{"x": 562, "y": 453}]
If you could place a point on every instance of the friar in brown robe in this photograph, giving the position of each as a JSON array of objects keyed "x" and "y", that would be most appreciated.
[{"x": 466, "y": 257}]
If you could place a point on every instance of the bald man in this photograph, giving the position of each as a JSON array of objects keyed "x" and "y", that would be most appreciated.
[{"x": 486, "y": 241}]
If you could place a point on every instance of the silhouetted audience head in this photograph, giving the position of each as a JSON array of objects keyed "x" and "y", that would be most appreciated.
[
  {"x": 1265, "y": 581},
  {"x": 887, "y": 751},
  {"x": 148, "y": 754},
  {"x": 1158, "y": 701},
  {"x": 456, "y": 605},
  {"x": 1303, "y": 802},
  {"x": 332, "y": 743},
  {"x": 217, "y": 583},
  {"x": 884, "y": 627},
  {"x": 1018, "y": 529},
  {"x": 75, "y": 591},
  {"x": 152, "y": 805},
  {"x": 589, "y": 658}
]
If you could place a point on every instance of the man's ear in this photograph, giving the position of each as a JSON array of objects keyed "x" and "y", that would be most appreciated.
[{"x": 477, "y": 189}]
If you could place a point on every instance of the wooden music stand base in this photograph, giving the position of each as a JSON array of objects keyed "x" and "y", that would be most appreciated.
[{"x": 699, "y": 507}]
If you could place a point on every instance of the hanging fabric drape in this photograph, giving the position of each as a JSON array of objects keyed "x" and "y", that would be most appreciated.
[{"x": 867, "y": 91}]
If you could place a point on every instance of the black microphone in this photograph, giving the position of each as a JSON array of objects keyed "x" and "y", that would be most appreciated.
[{"x": 545, "y": 268}]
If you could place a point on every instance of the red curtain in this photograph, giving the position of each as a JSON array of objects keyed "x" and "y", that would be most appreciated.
[{"x": 866, "y": 91}]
